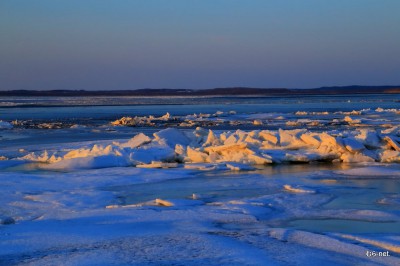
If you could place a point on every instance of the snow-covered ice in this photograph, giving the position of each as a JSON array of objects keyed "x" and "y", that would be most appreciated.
[
  {"x": 257, "y": 147},
  {"x": 216, "y": 188},
  {"x": 118, "y": 216}
]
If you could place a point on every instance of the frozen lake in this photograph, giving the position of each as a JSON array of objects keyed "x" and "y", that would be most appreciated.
[{"x": 216, "y": 181}]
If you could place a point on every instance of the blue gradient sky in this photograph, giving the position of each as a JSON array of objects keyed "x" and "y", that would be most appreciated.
[{"x": 131, "y": 44}]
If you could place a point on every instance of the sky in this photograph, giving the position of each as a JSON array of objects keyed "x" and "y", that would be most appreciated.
[{"x": 197, "y": 44}]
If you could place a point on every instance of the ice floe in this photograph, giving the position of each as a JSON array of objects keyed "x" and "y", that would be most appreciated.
[
  {"x": 258, "y": 147},
  {"x": 5, "y": 125},
  {"x": 371, "y": 171},
  {"x": 297, "y": 189}
]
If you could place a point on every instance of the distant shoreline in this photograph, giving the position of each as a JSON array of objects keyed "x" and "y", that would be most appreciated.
[{"x": 230, "y": 91}]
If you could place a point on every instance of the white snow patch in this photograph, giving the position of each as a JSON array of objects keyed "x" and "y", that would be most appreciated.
[
  {"x": 371, "y": 172},
  {"x": 5, "y": 125}
]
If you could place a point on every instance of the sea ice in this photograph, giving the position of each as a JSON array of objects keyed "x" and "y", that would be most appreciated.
[
  {"x": 297, "y": 189},
  {"x": 5, "y": 125},
  {"x": 255, "y": 147}
]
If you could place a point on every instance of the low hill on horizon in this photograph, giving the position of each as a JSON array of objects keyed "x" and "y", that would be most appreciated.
[{"x": 335, "y": 90}]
